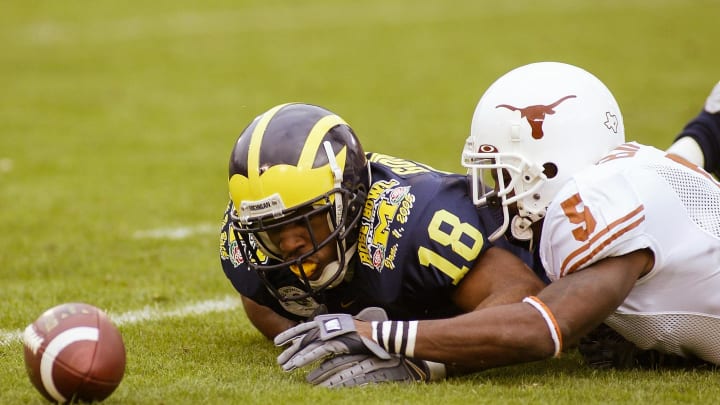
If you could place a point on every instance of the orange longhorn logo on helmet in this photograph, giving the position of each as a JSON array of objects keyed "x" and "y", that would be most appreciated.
[{"x": 535, "y": 114}]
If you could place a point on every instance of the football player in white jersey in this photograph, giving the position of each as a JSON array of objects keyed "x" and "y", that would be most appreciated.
[{"x": 629, "y": 235}]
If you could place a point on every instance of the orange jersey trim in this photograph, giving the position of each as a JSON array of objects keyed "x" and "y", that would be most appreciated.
[{"x": 611, "y": 232}]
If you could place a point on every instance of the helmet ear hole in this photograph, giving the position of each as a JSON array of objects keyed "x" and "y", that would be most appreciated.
[{"x": 550, "y": 170}]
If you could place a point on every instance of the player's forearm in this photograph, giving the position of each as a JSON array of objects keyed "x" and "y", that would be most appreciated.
[
  {"x": 492, "y": 337},
  {"x": 267, "y": 321},
  {"x": 535, "y": 328}
]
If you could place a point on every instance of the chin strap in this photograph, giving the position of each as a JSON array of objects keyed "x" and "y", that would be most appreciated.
[
  {"x": 521, "y": 228},
  {"x": 333, "y": 268},
  {"x": 337, "y": 177}
]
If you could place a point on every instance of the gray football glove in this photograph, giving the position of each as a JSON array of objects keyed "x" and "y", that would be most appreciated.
[
  {"x": 326, "y": 335},
  {"x": 356, "y": 370}
]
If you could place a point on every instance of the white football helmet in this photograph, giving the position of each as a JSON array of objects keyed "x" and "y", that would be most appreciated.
[{"x": 534, "y": 128}]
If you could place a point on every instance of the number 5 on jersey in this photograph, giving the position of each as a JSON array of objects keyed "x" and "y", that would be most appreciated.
[{"x": 575, "y": 216}]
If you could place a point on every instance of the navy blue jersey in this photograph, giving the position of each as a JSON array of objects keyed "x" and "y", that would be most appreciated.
[{"x": 419, "y": 235}]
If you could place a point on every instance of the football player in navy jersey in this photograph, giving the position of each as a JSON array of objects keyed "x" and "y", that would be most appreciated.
[
  {"x": 315, "y": 224},
  {"x": 628, "y": 234}
]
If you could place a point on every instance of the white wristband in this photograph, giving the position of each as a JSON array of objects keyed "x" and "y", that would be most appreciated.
[
  {"x": 555, "y": 332},
  {"x": 395, "y": 336}
]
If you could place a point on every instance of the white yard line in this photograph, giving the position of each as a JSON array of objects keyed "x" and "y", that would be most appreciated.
[
  {"x": 177, "y": 233},
  {"x": 6, "y": 165},
  {"x": 149, "y": 314}
]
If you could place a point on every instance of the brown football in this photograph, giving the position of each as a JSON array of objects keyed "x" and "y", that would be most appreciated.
[{"x": 74, "y": 352}]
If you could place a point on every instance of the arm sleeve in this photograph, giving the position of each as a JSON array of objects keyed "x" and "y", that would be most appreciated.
[
  {"x": 589, "y": 221},
  {"x": 705, "y": 130}
]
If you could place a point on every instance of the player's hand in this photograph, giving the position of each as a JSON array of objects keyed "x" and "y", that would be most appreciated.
[
  {"x": 326, "y": 335},
  {"x": 356, "y": 370}
]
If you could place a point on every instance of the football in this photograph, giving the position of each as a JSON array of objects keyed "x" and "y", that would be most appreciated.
[{"x": 73, "y": 352}]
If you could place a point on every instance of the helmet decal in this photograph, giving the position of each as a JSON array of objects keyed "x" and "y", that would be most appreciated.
[
  {"x": 253, "y": 156},
  {"x": 277, "y": 186},
  {"x": 611, "y": 121},
  {"x": 512, "y": 166},
  {"x": 312, "y": 145},
  {"x": 535, "y": 114}
]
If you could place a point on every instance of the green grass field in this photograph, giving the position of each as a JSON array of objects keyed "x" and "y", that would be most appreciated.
[{"x": 117, "y": 120}]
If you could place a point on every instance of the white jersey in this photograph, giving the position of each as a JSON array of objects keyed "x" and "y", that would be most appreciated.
[{"x": 638, "y": 197}]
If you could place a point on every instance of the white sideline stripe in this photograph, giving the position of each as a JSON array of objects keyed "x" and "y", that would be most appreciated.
[
  {"x": 273, "y": 19},
  {"x": 176, "y": 233},
  {"x": 197, "y": 308},
  {"x": 6, "y": 165},
  {"x": 148, "y": 314}
]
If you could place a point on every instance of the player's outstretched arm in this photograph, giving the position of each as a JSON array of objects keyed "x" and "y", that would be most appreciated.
[
  {"x": 498, "y": 277},
  {"x": 537, "y": 328},
  {"x": 532, "y": 330}
]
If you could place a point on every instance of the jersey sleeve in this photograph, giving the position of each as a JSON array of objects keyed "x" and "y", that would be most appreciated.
[
  {"x": 705, "y": 130},
  {"x": 594, "y": 216}
]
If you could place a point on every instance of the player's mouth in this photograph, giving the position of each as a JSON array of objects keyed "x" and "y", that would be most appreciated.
[{"x": 308, "y": 268}]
